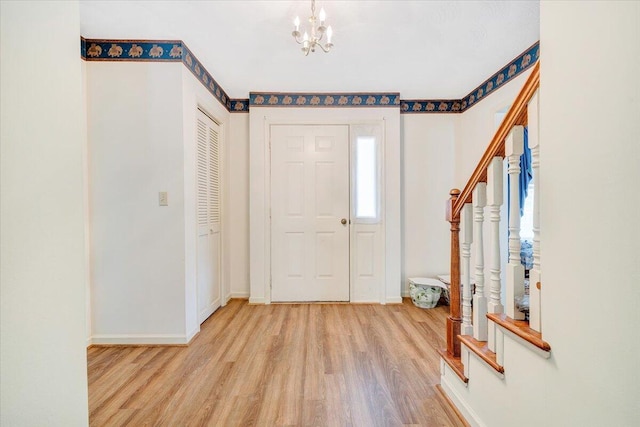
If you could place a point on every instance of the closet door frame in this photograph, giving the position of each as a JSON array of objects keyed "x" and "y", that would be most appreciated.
[{"x": 221, "y": 209}]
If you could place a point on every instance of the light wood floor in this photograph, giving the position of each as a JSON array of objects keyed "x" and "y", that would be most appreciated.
[{"x": 281, "y": 365}]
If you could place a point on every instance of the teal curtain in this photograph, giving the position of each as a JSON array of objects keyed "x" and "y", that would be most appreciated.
[{"x": 526, "y": 174}]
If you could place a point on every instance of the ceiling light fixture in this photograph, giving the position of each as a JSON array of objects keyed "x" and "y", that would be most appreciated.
[{"x": 310, "y": 42}]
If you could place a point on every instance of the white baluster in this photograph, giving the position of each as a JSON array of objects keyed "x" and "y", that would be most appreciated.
[
  {"x": 535, "y": 275},
  {"x": 479, "y": 299},
  {"x": 466, "y": 222},
  {"x": 494, "y": 201},
  {"x": 513, "y": 149}
]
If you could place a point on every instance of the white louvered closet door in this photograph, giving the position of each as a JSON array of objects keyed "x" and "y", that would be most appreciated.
[{"x": 208, "y": 216}]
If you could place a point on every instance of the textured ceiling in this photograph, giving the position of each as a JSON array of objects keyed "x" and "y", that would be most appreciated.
[{"x": 422, "y": 49}]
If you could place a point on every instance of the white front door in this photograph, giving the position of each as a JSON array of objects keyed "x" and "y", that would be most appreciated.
[
  {"x": 309, "y": 213},
  {"x": 208, "y": 216}
]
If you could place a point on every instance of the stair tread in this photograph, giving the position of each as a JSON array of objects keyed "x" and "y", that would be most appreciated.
[
  {"x": 521, "y": 329},
  {"x": 455, "y": 363},
  {"x": 481, "y": 349}
]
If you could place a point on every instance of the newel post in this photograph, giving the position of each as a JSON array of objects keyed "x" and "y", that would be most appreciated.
[{"x": 454, "y": 321}]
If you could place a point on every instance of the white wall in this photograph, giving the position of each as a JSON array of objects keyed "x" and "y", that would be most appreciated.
[
  {"x": 428, "y": 150},
  {"x": 87, "y": 208},
  {"x": 142, "y": 132},
  {"x": 476, "y": 126},
  {"x": 590, "y": 205},
  {"x": 42, "y": 356},
  {"x": 590, "y": 104},
  {"x": 238, "y": 202},
  {"x": 138, "y": 247}
]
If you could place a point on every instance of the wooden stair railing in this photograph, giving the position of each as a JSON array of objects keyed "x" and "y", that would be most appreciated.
[
  {"x": 454, "y": 320},
  {"x": 517, "y": 115}
]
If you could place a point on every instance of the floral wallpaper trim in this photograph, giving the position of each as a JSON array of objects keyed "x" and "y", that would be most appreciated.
[
  {"x": 197, "y": 69},
  {"x": 177, "y": 51},
  {"x": 239, "y": 105},
  {"x": 269, "y": 99},
  {"x": 429, "y": 106},
  {"x": 131, "y": 50},
  {"x": 513, "y": 69},
  {"x": 153, "y": 50},
  {"x": 521, "y": 63}
]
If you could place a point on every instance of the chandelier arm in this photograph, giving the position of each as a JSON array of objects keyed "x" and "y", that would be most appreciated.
[{"x": 315, "y": 35}]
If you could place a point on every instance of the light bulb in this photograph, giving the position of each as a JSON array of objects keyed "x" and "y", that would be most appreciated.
[
  {"x": 296, "y": 22},
  {"x": 323, "y": 16},
  {"x": 329, "y": 34},
  {"x": 305, "y": 37}
]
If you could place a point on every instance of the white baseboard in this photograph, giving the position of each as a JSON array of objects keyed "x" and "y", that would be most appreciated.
[
  {"x": 191, "y": 335},
  {"x": 394, "y": 300},
  {"x": 239, "y": 295},
  {"x": 207, "y": 312},
  {"x": 467, "y": 412},
  {"x": 363, "y": 301},
  {"x": 141, "y": 339}
]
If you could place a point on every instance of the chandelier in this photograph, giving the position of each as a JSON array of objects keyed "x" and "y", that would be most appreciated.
[{"x": 308, "y": 41}]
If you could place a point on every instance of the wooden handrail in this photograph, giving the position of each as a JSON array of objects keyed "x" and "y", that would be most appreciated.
[{"x": 517, "y": 115}]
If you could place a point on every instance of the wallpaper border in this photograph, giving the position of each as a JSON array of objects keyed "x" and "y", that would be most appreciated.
[
  {"x": 324, "y": 100},
  {"x": 514, "y": 68},
  {"x": 177, "y": 51},
  {"x": 153, "y": 51}
]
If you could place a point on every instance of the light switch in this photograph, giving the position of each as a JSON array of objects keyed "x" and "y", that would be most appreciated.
[{"x": 163, "y": 199}]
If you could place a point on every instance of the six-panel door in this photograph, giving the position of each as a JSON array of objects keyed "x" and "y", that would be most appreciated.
[{"x": 309, "y": 213}]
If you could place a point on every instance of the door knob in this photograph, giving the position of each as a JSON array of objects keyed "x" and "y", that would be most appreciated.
[{"x": 343, "y": 221}]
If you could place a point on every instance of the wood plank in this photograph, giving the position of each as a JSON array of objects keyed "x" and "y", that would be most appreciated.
[
  {"x": 454, "y": 322},
  {"x": 481, "y": 349},
  {"x": 455, "y": 364},
  {"x": 521, "y": 329},
  {"x": 303, "y": 364}
]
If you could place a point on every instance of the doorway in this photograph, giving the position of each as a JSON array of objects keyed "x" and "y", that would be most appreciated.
[{"x": 374, "y": 242}]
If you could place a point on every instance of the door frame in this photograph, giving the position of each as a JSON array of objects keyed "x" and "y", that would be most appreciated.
[{"x": 260, "y": 192}]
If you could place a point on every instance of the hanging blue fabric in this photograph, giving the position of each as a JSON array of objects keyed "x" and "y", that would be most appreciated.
[{"x": 526, "y": 174}]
